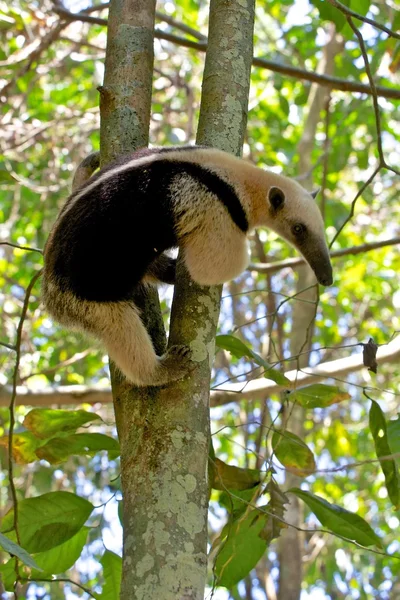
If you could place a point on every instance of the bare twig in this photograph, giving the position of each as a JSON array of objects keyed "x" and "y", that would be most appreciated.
[
  {"x": 27, "y": 248},
  {"x": 60, "y": 579},
  {"x": 11, "y": 409},
  {"x": 353, "y": 204},
  {"x": 66, "y": 363},
  {"x": 351, "y": 13},
  {"x": 325, "y": 80},
  {"x": 223, "y": 394},
  {"x": 294, "y": 262}
]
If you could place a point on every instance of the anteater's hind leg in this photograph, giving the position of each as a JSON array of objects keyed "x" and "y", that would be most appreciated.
[
  {"x": 119, "y": 327},
  {"x": 130, "y": 347},
  {"x": 163, "y": 269}
]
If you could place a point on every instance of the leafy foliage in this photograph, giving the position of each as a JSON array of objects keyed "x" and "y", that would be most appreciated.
[{"x": 344, "y": 453}]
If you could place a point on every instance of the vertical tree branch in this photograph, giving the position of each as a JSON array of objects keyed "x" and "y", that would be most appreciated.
[
  {"x": 164, "y": 433},
  {"x": 125, "y": 104},
  {"x": 195, "y": 309}
]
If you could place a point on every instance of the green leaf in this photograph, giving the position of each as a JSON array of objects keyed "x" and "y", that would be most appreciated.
[
  {"x": 49, "y": 520},
  {"x": 57, "y": 560},
  {"x": 121, "y": 512},
  {"x": 8, "y": 574},
  {"x": 327, "y": 12},
  {"x": 242, "y": 548},
  {"x": 47, "y": 422},
  {"x": 360, "y": 6},
  {"x": 393, "y": 432},
  {"x": 377, "y": 425},
  {"x": 293, "y": 453},
  {"x": 58, "y": 450},
  {"x": 339, "y": 520},
  {"x": 112, "y": 571},
  {"x": 16, "y": 550},
  {"x": 235, "y": 478},
  {"x": 236, "y": 502},
  {"x": 236, "y": 347},
  {"x": 318, "y": 395},
  {"x": 396, "y": 20},
  {"x": 24, "y": 446}
]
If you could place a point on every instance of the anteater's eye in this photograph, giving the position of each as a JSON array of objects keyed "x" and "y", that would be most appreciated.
[
  {"x": 276, "y": 197},
  {"x": 299, "y": 229}
]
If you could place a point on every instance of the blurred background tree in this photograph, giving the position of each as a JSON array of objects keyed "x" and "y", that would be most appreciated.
[{"x": 324, "y": 107}]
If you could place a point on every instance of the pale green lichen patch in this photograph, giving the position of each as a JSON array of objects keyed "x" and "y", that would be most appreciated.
[
  {"x": 188, "y": 482},
  {"x": 156, "y": 536},
  {"x": 192, "y": 519},
  {"x": 177, "y": 438},
  {"x": 144, "y": 565},
  {"x": 129, "y": 542},
  {"x": 182, "y": 576},
  {"x": 189, "y": 547},
  {"x": 210, "y": 302},
  {"x": 197, "y": 347}
]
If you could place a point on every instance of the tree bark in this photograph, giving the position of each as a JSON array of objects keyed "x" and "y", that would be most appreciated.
[{"x": 164, "y": 433}]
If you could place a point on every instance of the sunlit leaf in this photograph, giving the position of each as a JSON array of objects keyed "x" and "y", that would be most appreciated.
[
  {"x": 239, "y": 349},
  {"x": 293, "y": 453},
  {"x": 330, "y": 13},
  {"x": 57, "y": 560},
  {"x": 393, "y": 433},
  {"x": 16, "y": 550},
  {"x": 24, "y": 446},
  {"x": 47, "y": 422},
  {"x": 231, "y": 477},
  {"x": 112, "y": 571},
  {"x": 318, "y": 395},
  {"x": 377, "y": 425},
  {"x": 57, "y": 450},
  {"x": 8, "y": 574},
  {"x": 48, "y": 520},
  {"x": 242, "y": 549},
  {"x": 338, "y": 519}
]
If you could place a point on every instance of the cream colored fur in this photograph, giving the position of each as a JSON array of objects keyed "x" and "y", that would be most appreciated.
[
  {"x": 215, "y": 251},
  {"x": 120, "y": 329}
]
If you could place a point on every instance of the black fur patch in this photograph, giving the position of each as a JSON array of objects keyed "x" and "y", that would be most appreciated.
[{"x": 104, "y": 243}]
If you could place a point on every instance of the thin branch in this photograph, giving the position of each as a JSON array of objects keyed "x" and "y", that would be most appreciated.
[
  {"x": 351, "y": 13},
  {"x": 181, "y": 26},
  {"x": 45, "y": 43},
  {"x": 60, "y": 579},
  {"x": 223, "y": 394},
  {"x": 294, "y": 262},
  {"x": 372, "y": 86},
  {"x": 353, "y": 204},
  {"x": 375, "y": 95},
  {"x": 159, "y": 15},
  {"x": 27, "y": 248},
  {"x": 325, "y": 80},
  {"x": 11, "y": 410},
  {"x": 8, "y": 346},
  {"x": 66, "y": 363}
]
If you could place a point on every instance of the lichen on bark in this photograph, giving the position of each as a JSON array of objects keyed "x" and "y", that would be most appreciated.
[{"x": 164, "y": 432}]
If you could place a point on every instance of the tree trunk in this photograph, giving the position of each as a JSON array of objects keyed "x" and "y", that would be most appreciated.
[{"x": 164, "y": 433}]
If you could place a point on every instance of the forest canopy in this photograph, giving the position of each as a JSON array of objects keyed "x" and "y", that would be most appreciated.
[{"x": 305, "y": 382}]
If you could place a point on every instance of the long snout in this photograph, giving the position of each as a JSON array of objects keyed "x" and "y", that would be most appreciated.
[{"x": 317, "y": 256}]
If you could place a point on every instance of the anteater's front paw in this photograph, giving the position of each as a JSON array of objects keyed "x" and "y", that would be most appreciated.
[{"x": 177, "y": 362}]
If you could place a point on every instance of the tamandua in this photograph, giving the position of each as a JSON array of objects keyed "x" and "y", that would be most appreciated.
[{"x": 111, "y": 234}]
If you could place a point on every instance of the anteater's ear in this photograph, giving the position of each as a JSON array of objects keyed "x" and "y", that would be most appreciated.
[
  {"x": 315, "y": 193},
  {"x": 276, "y": 198}
]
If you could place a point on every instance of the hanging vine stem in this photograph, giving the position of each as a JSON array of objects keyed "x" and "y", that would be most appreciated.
[
  {"x": 12, "y": 412},
  {"x": 374, "y": 93}
]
